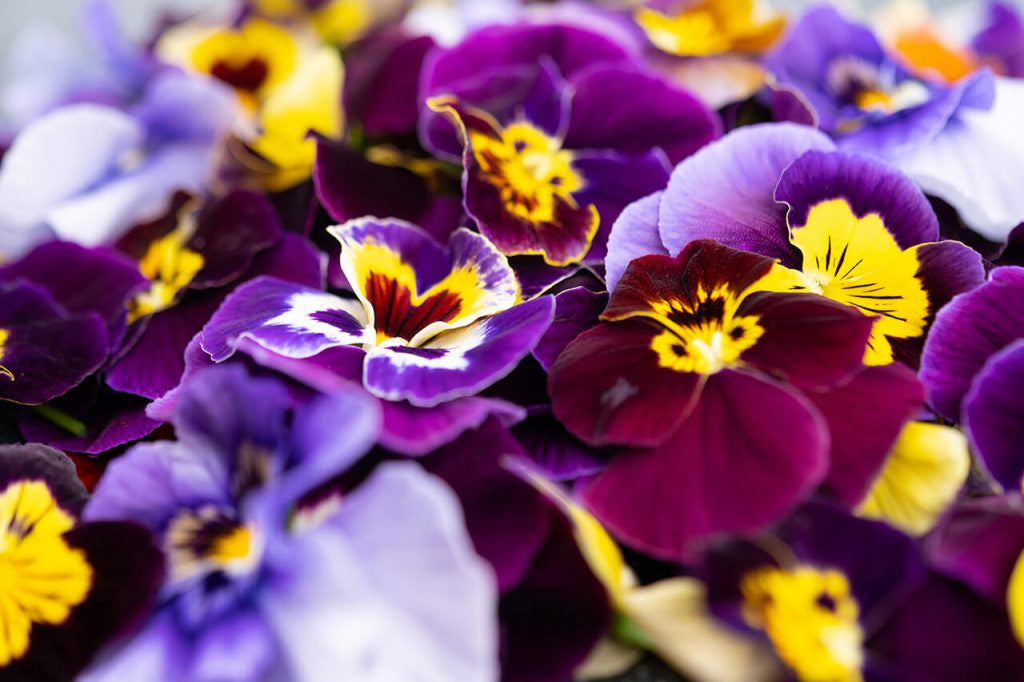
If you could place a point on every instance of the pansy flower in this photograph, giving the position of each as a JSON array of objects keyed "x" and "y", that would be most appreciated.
[
  {"x": 999, "y": 42},
  {"x": 428, "y": 323},
  {"x": 841, "y": 598},
  {"x": 286, "y": 86},
  {"x": 269, "y": 583},
  {"x": 545, "y": 165},
  {"x": 68, "y": 587},
  {"x": 336, "y": 21},
  {"x": 861, "y": 94},
  {"x": 687, "y": 370},
  {"x": 709, "y": 27},
  {"x": 844, "y": 226},
  {"x": 973, "y": 364},
  {"x": 128, "y": 163}
]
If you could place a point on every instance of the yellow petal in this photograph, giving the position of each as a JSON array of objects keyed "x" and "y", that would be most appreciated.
[
  {"x": 1015, "y": 599},
  {"x": 920, "y": 479}
]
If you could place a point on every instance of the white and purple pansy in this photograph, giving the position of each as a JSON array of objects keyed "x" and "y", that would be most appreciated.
[{"x": 436, "y": 323}]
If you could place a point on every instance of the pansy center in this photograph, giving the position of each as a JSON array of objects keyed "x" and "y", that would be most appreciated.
[
  {"x": 811, "y": 617},
  {"x": 250, "y": 58},
  {"x": 170, "y": 267},
  {"x": 704, "y": 334},
  {"x": 856, "y": 261},
  {"x": 209, "y": 540},
  {"x": 4, "y": 372},
  {"x": 530, "y": 169},
  {"x": 42, "y": 578},
  {"x": 872, "y": 89}
]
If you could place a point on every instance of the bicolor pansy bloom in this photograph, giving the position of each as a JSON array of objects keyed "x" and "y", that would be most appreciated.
[
  {"x": 435, "y": 322},
  {"x": 709, "y": 27},
  {"x": 547, "y": 170},
  {"x": 256, "y": 560},
  {"x": 286, "y": 87},
  {"x": 972, "y": 366},
  {"x": 684, "y": 372},
  {"x": 336, "y": 21},
  {"x": 844, "y": 226},
  {"x": 861, "y": 94},
  {"x": 59, "y": 575},
  {"x": 841, "y": 598}
]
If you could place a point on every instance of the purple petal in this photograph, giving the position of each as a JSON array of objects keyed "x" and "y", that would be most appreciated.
[
  {"x": 750, "y": 451},
  {"x": 649, "y": 112},
  {"x": 111, "y": 420},
  {"x": 289, "y": 319},
  {"x": 415, "y": 431},
  {"x": 634, "y": 234},
  {"x": 460, "y": 362},
  {"x": 576, "y": 311},
  {"x": 866, "y": 185},
  {"x": 966, "y": 333},
  {"x": 994, "y": 415},
  {"x": 726, "y": 191}
]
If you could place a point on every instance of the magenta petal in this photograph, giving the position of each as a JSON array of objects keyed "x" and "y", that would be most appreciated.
[
  {"x": 865, "y": 417},
  {"x": 994, "y": 415},
  {"x": 750, "y": 451},
  {"x": 415, "y": 431},
  {"x": 607, "y": 387},
  {"x": 966, "y": 332},
  {"x": 726, "y": 190}
]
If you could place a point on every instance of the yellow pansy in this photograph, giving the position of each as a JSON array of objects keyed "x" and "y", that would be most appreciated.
[{"x": 711, "y": 27}]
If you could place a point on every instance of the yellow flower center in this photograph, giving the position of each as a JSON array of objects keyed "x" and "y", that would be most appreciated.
[
  {"x": 4, "y": 335},
  {"x": 856, "y": 261},
  {"x": 207, "y": 540},
  {"x": 42, "y": 578},
  {"x": 170, "y": 267},
  {"x": 811, "y": 617},
  {"x": 531, "y": 170},
  {"x": 704, "y": 335}
]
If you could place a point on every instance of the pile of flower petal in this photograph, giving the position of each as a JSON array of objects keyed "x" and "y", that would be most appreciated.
[{"x": 501, "y": 341}]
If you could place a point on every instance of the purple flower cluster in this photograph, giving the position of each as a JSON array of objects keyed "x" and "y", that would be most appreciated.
[{"x": 513, "y": 341}]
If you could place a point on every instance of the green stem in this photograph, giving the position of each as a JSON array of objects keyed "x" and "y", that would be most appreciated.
[{"x": 60, "y": 419}]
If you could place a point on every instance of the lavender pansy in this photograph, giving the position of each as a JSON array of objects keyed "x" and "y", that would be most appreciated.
[
  {"x": 307, "y": 590},
  {"x": 437, "y": 323}
]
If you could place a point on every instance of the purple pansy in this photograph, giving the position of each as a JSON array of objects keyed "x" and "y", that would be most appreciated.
[
  {"x": 547, "y": 167},
  {"x": 1000, "y": 42},
  {"x": 69, "y": 587},
  {"x": 721, "y": 391},
  {"x": 270, "y": 584},
  {"x": 438, "y": 323},
  {"x": 846, "y": 598},
  {"x": 845, "y": 226},
  {"x": 122, "y": 165},
  {"x": 973, "y": 364},
  {"x": 862, "y": 95}
]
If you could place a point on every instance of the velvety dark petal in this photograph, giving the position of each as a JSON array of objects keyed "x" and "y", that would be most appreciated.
[
  {"x": 703, "y": 265},
  {"x": 555, "y": 452},
  {"x": 918, "y": 643},
  {"x": 229, "y": 232},
  {"x": 865, "y": 416},
  {"x": 459, "y": 362},
  {"x": 292, "y": 259},
  {"x": 809, "y": 340},
  {"x": 45, "y": 352},
  {"x": 35, "y": 462},
  {"x": 629, "y": 110},
  {"x": 608, "y": 388},
  {"x": 415, "y": 431},
  {"x": 993, "y": 415},
  {"x": 289, "y": 319},
  {"x": 612, "y": 182},
  {"x": 979, "y": 544},
  {"x": 634, "y": 234},
  {"x": 81, "y": 280},
  {"x": 546, "y": 102},
  {"x": 351, "y": 186},
  {"x": 966, "y": 332},
  {"x": 866, "y": 185},
  {"x": 110, "y": 419},
  {"x": 749, "y": 452},
  {"x": 535, "y": 276},
  {"x": 726, "y": 190},
  {"x": 576, "y": 311},
  {"x": 155, "y": 362},
  {"x": 127, "y": 570}
]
